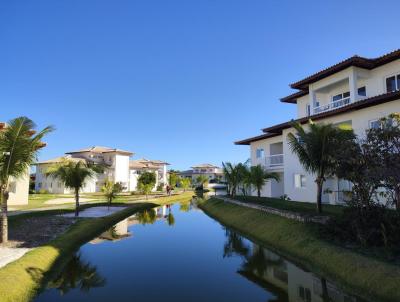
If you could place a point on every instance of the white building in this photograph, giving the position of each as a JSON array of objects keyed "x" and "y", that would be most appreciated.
[
  {"x": 357, "y": 91},
  {"x": 209, "y": 170},
  {"x": 138, "y": 166},
  {"x": 118, "y": 169}
]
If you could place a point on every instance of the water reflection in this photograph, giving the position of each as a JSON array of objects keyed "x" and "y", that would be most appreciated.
[
  {"x": 277, "y": 275},
  {"x": 77, "y": 274}
]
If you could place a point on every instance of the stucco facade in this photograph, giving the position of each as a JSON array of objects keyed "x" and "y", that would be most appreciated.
[
  {"x": 118, "y": 168},
  {"x": 355, "y": 96}
]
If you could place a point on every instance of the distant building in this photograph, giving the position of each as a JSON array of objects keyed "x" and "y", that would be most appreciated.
[
  {"x": 119, "y": 169},
  {"x": 209, "y": 170}
]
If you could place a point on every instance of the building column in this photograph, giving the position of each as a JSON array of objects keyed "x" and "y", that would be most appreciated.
[
  {"x": 353, "y": 86},
  {"x": 313, "y": 100}
]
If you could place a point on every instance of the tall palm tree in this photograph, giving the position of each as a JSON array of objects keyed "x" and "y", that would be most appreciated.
[
  {"x": 234, "y": 175},
  {"x": 18, "y": 150},
  {"x": 259, "y": 177},
  {"x": 316, "y": 150},
  {"x": 73, "y": 173}
]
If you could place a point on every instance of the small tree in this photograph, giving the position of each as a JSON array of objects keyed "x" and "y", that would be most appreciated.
[
  {"x": 316, "y": 150},
  {"x": 259, "y": 177},
  {"x": 146, "y": 182},
  {"x": 234, "y": 175},
  {"x": 202, "y": 181},
  {"x": 173, "y": 179},
  {"x": 18, "y": 150},
  {"x": 185, "y": 183},
  {"x": 74, "y": 173},
  {"x": 110, "y": 190}
]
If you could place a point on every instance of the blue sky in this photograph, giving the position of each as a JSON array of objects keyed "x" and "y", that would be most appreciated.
[{"x": 173, "y": 80}]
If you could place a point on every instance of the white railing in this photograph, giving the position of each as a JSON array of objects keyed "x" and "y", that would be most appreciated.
[
  {"x": 275, "y": 160},
  {"x": 332, "y": 105}
]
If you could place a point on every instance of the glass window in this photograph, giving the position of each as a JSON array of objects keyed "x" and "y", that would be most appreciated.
[
  {"x": 346, "y": 94},
  {"x": 391, "y": 84},
  {"x": 308, "y": 110},
  {"x": 362, "y": 91},
  {"x": 374, "y": 124},
  {"x": 260, "y": 153},
  {"x": 299, "y": 181},
  {"x": 337, "y": 97}
]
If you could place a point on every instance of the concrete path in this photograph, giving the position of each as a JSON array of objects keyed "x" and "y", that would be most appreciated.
[
  {"x": 96, "y": 212},
  {"x": 8, "y": 254}
]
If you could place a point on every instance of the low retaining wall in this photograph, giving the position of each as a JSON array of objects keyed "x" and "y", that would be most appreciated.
[{"x": 284, "y": 213}]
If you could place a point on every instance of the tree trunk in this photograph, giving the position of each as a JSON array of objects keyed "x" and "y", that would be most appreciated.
[
  {"x": 76, "y": 202},
  {"x": 258, "y": 192},
  {"x": 397, "y": 196},
  {"x": 4, "y": 217},
  {"x": 319, "y": 182}
]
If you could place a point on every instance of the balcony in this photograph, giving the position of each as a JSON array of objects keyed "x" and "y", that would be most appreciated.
[
  {"x": 274, "y": 161},
  {"x": 332, "y": 105}
]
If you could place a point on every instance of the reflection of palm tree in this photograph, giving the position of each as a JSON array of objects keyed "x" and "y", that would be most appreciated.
[
  {"x": 146, "y": 217},
  {"x": 234, "y": 244},
  {"x": 170, "y": 219},
  {"x": 77, "y": 274},
  {"x": 185, "y": 207}
]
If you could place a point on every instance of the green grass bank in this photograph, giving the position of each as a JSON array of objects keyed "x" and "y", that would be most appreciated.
[
  {"x": 21, "y": 280},
  {"x": 367, "y": 277}
]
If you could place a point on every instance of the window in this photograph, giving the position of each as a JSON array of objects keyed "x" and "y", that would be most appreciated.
[
  {"x": 393, "y": 83},
  {"x": 260, "y": 153},
  {"x": 304, "y": 294},
  {"x": 374, "y": 124},
  {"x": 340, "y": 96},
  {"x": 362, "y": 91},
  {"x": 299, "y": 181},
  {"x": 308, "y": 109}
]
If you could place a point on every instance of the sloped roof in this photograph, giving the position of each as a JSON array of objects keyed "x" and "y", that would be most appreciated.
[
  {"x": 101, "y": 149},
  {"x": 356, "y": 61},
  {"x": 146, "y": 164},
  {"x": 61, "y": 159},
  {"x": 368, "y": 102},
  {"x": 204, "y": 166}
]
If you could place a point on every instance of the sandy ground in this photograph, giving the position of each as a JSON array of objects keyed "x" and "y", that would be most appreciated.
[
  {"x": 66, "y": 200},
  {"x": 31, "y": 233},
  {"x": 96, "y": 212}
]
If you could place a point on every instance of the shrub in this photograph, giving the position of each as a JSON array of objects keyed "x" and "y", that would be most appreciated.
[
  {"x": 42, "y": 191},
  {"x": 368, "y": 226}
]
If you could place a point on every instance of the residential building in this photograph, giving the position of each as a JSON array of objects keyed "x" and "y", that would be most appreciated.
[
  {"x": 118, "y": 168},
  {"x": 209, "y": 170},
  {"x": 138, "y": 166},
  {"x": 357, "y": 91}
]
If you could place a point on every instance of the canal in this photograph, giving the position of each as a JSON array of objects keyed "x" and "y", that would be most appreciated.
[{"x": 177, "y": 253}]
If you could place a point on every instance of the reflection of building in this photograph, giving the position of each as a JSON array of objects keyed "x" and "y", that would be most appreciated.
[
  {"x": 299, "y": 285},
  {"x": 117, "y": 232},
  {"x": 356, "y": 93},
  {"x": 281, "y": 278},
  {"x": 118, "y": 168}
]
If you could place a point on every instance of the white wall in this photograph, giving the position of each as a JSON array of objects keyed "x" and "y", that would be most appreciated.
[{"x": 19, "y": 190}]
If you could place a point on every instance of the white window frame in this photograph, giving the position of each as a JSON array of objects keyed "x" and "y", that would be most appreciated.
[
  {"x": 298, "y": 183},
  {"x": 370, "y": 122},
  {"x": 260, "y": 153},
  {"x": 395, "y": 75}
]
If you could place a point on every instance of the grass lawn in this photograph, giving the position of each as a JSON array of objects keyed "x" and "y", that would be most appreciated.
[
  {"x": 294, "y": 206},
  {"x": 362, "y": 275}
]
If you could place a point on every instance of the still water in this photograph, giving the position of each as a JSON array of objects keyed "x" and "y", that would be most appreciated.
[{"x": 177, "y": 253}]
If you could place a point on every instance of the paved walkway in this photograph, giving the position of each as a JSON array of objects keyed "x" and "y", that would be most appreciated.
[
  {"x": 96, "y": 212},
  {"x": 8, "y": 254},
  {"x": 284, "y": 213},
  {"x": 65, "y": 200}
]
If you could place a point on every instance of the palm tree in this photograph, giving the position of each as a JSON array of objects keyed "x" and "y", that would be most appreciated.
[
  {"x": 202, "y": 180},
  {"x": 316, "y": 150},
  {"x": 259, "y": 177},
  {"x": 234, "y": 175},
  {"x": 185, "y": 183},
  {"x": 74, "y": 173},
  {"x": 110, "y": 190},
  {"x": 18, "y": 150}
]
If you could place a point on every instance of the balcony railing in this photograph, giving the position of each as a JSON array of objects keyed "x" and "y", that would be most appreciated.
[
  {"x": 275, "y": 160},
  {"x": 332, "y": 105}
]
